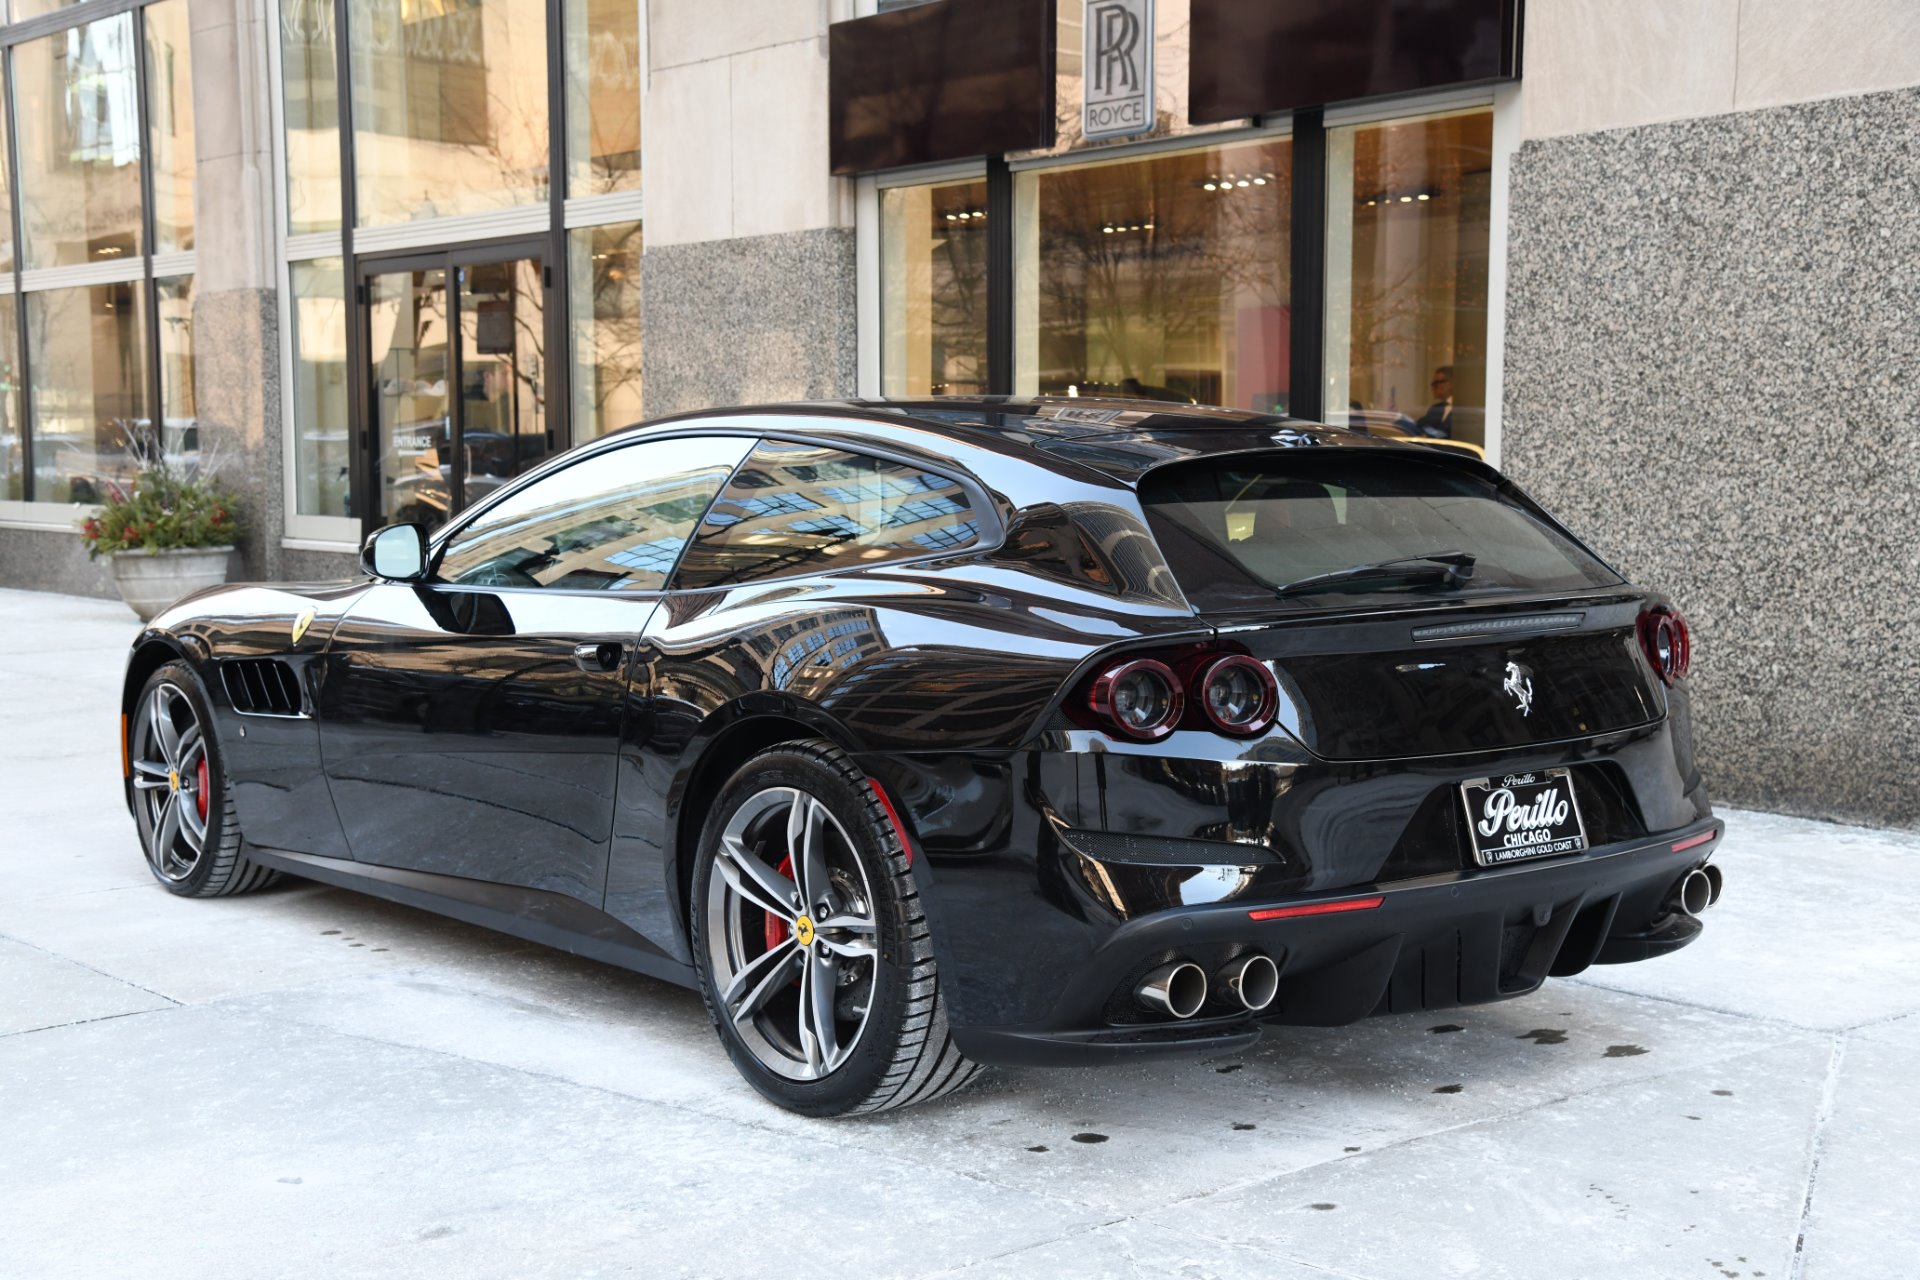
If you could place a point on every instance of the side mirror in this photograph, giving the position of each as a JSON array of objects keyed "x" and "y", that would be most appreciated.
[{"x": 397, "y": 553}]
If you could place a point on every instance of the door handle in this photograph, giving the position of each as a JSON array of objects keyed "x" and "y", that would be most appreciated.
[{"x": 597, "y": 658}]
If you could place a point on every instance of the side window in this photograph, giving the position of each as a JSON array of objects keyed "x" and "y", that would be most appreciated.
[
  {"x": 800, "y": 508},
  {"x": 612, "y": 522}
]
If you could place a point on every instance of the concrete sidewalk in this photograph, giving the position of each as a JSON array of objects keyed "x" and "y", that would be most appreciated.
[{"x": 309, "y": 1082}]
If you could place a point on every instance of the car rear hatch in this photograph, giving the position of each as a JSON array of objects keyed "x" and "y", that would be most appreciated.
[
  {"x": 1474, "y": 622},
  {"x": 1426, "y": 682}
]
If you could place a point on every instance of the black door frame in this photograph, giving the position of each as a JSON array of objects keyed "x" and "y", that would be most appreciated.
[{"x": 449, "y": 258}]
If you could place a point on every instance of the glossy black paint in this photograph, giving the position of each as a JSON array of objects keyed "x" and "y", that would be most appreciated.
[{"x": 453, "y": 751}]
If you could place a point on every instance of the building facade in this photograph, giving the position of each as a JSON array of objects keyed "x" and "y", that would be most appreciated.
[{"x": 373, "y": 258}]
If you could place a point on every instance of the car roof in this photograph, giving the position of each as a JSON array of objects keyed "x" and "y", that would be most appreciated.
[{"x": 1120, "y": 438}]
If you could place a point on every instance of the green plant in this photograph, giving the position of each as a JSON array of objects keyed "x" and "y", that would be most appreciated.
[{"x": 163, "y": 510}]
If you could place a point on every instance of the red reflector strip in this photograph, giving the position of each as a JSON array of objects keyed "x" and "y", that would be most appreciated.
[
  {"x": 1693, "y": 842},
  {"x": 893, "y": 816},
  {"x": 126, "y": 759},
  {"x": 1317, "y": 908}
]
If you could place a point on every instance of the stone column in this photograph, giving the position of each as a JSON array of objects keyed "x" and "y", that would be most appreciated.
[
  {"x": 236, "y": 340},
  {"x": 747, "y": 280}
]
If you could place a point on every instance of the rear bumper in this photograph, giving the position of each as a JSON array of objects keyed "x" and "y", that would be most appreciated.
[{"x": 1439, "y": 942}]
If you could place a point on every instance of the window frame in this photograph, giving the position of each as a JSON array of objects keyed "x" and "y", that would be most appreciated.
[
  {"x": 439, "y": 545},
  {"x": 993, "y": 528},
  {"x": 146, "y": 268}
]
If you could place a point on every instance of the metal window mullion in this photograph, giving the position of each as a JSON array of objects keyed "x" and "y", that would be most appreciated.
[
  {"x": 1000, "y": 277},
  {"x": 360, "y": 423},
  {"x": 1306, "y": 378},
  {"x": 19, "y": 300},
  {"x": 155, "y": 398},
  {"x": 59, "y": 20},
  {"x": 556, "y": 318}
]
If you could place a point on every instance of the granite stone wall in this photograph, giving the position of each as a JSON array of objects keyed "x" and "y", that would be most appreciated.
[
  {"x": 747, "y": 320},
  {"x": 52, "y": 560},
  {"x": 1713, "y": 372}
]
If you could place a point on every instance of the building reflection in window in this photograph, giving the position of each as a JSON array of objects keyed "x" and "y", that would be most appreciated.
[
  {"x": 1407, "y": 247},
  {"x": 604, "y": 273},
  {"x": 1166, "y": 278},
  {"x": 933, "y": 246},
  {"x": 87, "y": 353},
  {"x": 449, "y": 106}
]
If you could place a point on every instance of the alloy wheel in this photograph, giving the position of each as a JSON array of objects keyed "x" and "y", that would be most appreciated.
[
  {"x": 171, "y": 782},
  {"x": 791, "y": 934}
]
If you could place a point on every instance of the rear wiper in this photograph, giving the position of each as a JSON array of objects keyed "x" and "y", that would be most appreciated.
[{"x": 1450, "y": 567}]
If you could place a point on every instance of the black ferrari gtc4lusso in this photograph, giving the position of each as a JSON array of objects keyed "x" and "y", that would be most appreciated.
[{"x": 925, "y": 735}]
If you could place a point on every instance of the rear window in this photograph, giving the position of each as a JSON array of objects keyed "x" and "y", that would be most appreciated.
[{"x": 1235, "y": 528}]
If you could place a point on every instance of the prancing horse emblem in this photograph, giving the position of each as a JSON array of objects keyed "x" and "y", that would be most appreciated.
[
  {"x": 1519, "y": 683},
  {"x": 301, "y": 623}
]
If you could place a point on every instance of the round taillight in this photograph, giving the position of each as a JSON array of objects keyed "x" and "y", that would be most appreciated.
[
  {"x": 1141, "y": 699},
  {"x": 1667, "y": 642},
  {"x": 1238, "y": 695}
]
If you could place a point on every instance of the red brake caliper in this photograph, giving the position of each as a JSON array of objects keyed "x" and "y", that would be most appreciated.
[
  {"x": 200, "y": 789},
  {"x": 776, "y": 927}
]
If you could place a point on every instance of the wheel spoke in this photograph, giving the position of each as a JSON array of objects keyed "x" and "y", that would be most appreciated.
[
  {"x": 755, "y": 984},
  {"x": 809, "y": 851},
  {"x": 819, "y": 1037},
  {"x": 149, "y": 776},
  {"x": 167, "y": 829},
  {"x": 160, "y": 723},
  {"x": 754, "y": 880}
]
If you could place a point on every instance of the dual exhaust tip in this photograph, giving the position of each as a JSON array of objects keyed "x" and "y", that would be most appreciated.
[
  {"x": 1179, "y": 989},
  {"x": 1699, "y": 889}
]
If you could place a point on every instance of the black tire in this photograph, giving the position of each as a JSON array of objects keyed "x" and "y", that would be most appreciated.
[
  {"x": 903, "y": 1054},
  {"x": 220, "y": 866}
]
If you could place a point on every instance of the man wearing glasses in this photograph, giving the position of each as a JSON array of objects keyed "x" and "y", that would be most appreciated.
[{"x": 1437, "y": 421}]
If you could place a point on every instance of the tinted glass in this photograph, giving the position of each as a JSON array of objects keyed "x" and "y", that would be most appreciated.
[
  {"x": 1166, "y": 278},
  {"x": 449, "y": 106},
  {"x": 799, "y": 508},
  {"x": 13, "y": 479},
  {"x": 320, "y": 400},
  {"x": 604, "y": 268},
  {"x": 603, "y": 96},
  {"x": 170, "y": 125},
  {"x": 88, "y": 360},
  {"x": 933, "y": 272},
  {"x": 311, "y": 106},
  {"x": 1233, "y": 529},
  {"x": 1409, "y": 209},
  {"x": 615, "y": 522},
  {"x": 76, "y": 102}
]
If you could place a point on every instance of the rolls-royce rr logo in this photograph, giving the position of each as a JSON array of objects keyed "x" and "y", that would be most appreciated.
[
  {"x": 1117, "y": 62},
  {"x": 1519, "y": 683}
]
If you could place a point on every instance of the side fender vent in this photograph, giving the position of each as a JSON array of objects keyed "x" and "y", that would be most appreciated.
[{"x": 262, "y": 687}]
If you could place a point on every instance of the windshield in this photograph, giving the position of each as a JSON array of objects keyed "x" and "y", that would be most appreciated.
[{"x": 1234, "y": 529}]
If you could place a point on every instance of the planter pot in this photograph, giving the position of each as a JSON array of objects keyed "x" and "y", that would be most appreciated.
[{"x": 149, "y": 581}]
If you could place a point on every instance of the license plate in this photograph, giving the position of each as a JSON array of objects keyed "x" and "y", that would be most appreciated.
[{"x": 1523, "y": 815}]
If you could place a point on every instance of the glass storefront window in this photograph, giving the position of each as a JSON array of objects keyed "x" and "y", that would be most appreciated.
[
  {"x": 933, "y": 253},
  {"x": 87, "y": 361},
  {"x": 24, "y": 9},
  {"x": 77, "y": 124},
  {"x": 311, "y": 108},
  {"x": 321, "y": 404},
  {"x": 6, "y": 203},
  {"x": 1166, "y": 278},
  {"x": 1407, "y": 246},
  {"x": 13, "y": 462},
  {"x": 170, "y": 125},
  {"x": 604, "y": 288},
  {"x": 179, "y": 428},
  {"x": 449, "y": 107},
  {"x": 603, "y": 96}
]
